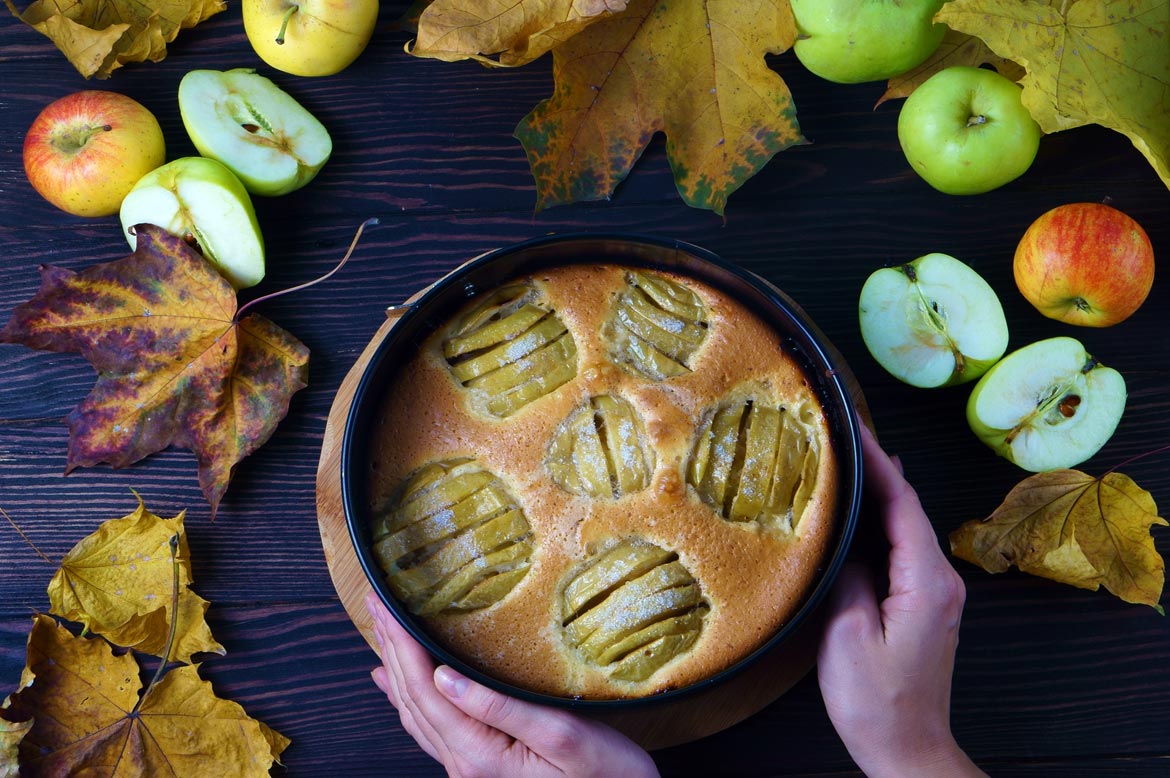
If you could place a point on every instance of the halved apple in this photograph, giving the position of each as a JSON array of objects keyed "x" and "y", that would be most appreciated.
[
  {"x": 932, "y": 322},
  {"x": 1047, "y": 405},
  {"x": 256, "y": 129},
  {"x": 203, "y": 202}
]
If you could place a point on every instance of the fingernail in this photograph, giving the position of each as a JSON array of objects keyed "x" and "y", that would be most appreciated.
[
  {"x": 450, "y": 683},
  {"x": 372, "y": 609}
]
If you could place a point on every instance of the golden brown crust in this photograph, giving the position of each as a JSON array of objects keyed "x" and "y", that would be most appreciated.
[{"x": 753, "y": 578}]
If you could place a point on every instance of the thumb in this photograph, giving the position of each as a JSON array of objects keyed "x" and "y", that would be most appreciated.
[
  {"x": 523, "y": 721},
  {"x": 852, "y": 615},
  {"x": 568, "y": 744}
]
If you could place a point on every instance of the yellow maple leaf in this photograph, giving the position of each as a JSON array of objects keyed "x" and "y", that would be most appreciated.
[
  {"x": 89, "y": 714},
  {"x": 503, "y": 32},
  {"x": 1087, "y": 62},
  {"x": 100, "y": 36},
  {"x": 11, "y": 733},
  {"x": 119, "y": 582},
  {"x": 1073, "y": 528},
  {"x": 956, "y": 48},
  {"x": 694, "y": 71}
]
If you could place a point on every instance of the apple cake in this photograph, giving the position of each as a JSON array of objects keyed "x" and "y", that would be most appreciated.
[{"x": 602, "y": 482}]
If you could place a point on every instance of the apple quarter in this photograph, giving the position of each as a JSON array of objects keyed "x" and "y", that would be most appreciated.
[
  {"x": 254, "y": 128},
  {"x": 199, "y": 199}
]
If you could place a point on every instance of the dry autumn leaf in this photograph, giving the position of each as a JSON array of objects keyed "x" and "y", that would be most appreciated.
[
  {"x": 1104, "y": 63},
  {"x": 118, "y": 582},
  {"x": 694, "y": 71},
  {"x": 514, "y": 32},
  {"x": 11, "y": 733},
  {"x": 174, "y": 365},
  {"x": 956, "y": 48},
  {"x": 1075, "y": 529},
  {"x": 100, "y": 36},
  {"x": 89, "y": 712}
]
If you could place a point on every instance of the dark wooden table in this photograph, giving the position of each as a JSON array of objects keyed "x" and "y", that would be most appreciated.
[{"x": 1050, "y": 680}]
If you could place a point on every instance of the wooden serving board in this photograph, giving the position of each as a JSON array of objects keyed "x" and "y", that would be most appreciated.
[{"x": 652, "y": 726}]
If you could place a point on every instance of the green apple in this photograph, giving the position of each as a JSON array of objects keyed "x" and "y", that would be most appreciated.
[
  {"x": 1048, "y": 405},
  {"x": 965, "y": 131},
  {"x": 256, "y": 129},
  {"x": 853, "y": 41},
  {"x": 932, "y": 322},
  {"x": 203, "y": 202}
]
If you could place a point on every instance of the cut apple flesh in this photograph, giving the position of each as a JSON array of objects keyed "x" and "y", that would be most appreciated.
[
  {"x": 1048, "y": 405},
  {"x": 932, "y": 322},
  {"x": 454, "y": 540},
  {"x": 257, "y": 130},
  {"x": 510, "y": 351},
  {"x": 633, "y": 608},
  {"x": 756, "y": 462},
  {"x": 600, "y": 450},
  {"x": 200, "y": 200},
  {"x": 656, "y": 327}
]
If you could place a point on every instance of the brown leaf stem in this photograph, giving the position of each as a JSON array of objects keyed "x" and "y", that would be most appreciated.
[
  {"x": 166, "y": 657},
  {"x": 352, "y": 245},
  {"x": 1136, "y": 457},
  {"x": 20, "y": 532}
]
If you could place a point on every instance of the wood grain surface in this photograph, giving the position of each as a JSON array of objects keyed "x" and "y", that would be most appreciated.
[{"x": 1049, "y": 680}]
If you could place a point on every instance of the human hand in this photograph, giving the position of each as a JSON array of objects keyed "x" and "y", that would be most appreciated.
[
  {"x": 885, "y": 667},
  {"x": 475, "y": 731}
]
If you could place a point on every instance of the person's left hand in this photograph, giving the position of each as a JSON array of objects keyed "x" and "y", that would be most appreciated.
[{"x": 475, "y": 731}]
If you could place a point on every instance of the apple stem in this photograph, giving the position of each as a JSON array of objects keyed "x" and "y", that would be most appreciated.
[
  {"x": 352, "y": 245},
  {"x": 75, "y": 139},
  {"x": 292, "y": 9},
  {"x": 976, "y": 120}
]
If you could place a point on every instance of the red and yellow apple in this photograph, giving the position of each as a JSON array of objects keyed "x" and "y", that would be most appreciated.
[
  {"x": 1085, "y": 263},
  {"x": 86, "y": 150}
]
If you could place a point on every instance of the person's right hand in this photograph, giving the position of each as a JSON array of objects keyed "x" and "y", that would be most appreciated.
[{"x": 885, "y": 667}]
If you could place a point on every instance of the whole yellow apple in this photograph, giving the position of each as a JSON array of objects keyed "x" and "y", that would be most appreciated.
[
  {"x": 309, "y": 37},
  {"x": 86, "y": 150}
]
